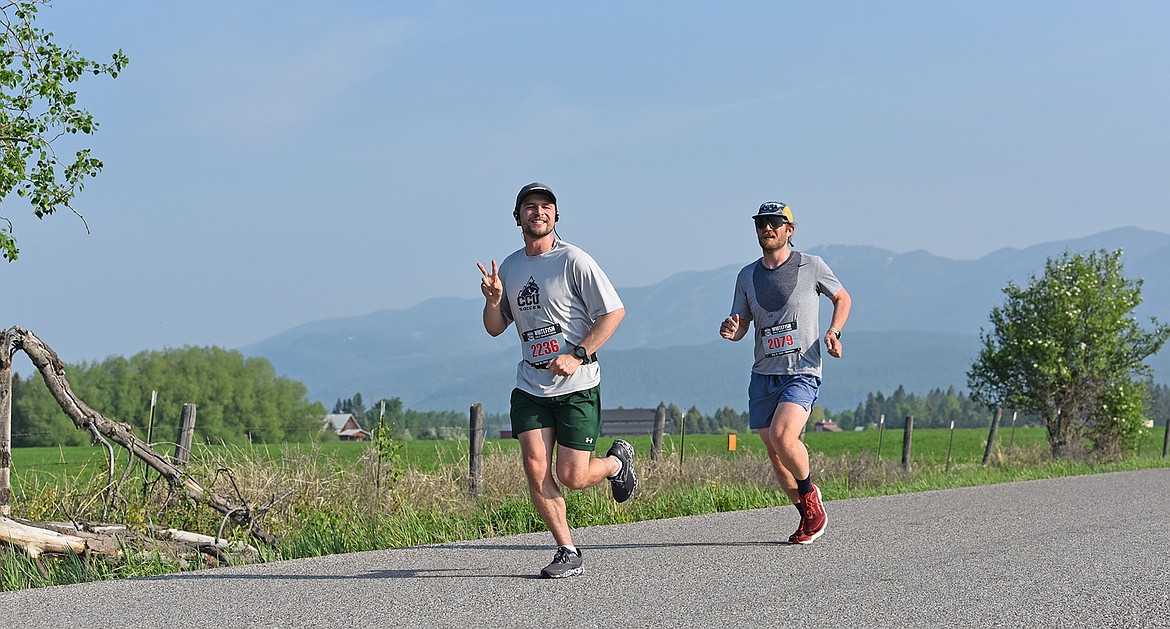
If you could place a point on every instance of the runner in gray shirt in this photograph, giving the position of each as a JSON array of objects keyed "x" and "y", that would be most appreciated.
[
  {"x": 565, "y": 309},
  {"x": 780, "y": 293}
]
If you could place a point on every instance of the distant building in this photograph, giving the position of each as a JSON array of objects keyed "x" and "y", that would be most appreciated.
[
  {"x": 826, "y": 426},
  {"x": 347, "y": 427},
  {"x": 620, "y": 422},
  {"x": 628, "y": 422}
]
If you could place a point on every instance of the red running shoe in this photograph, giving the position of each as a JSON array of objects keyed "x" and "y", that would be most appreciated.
[
  {"x": 812, "y": 522},
  {"x": 799, "y": 527}
]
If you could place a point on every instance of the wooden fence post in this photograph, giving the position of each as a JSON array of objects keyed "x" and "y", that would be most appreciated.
[
  {"x": 475, "y": 483},
  {"x": 659, "y": 428},
  {"x": 1166, "y": 439},
  {"x": 379, "y": 440},
  {"x": 881, "y": 433},
  {"x": 950, "y": 442},
  {"x": 1012, "y": 438},
  {"x": 186, "y": 435},
  {"x": 907, "y": 438},
  {"x": 991, "y": 434},
  {"x": 6, "y": 352},
  {"x": 149, "y": 441}
]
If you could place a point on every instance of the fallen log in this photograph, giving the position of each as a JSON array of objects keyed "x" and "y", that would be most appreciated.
[
  {"x": 52, "y": 370},
  {"x": 203, "y": 542},
  {"x": 114, "y": 541},
  {"x": 35, "y": 540}
]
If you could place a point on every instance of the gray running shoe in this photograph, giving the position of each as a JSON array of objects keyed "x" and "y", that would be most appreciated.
[
  {"x": 625, "y": 483},
  {"x": 564, "y": 564}
]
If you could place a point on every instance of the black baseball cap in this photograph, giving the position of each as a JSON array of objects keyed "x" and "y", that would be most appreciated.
[{"x": 534, "y": 187}]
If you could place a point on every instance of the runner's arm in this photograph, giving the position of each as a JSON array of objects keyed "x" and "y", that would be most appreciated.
[
  {"x": 602, "y": 329},
  {"x": 841, "y": 304},
  {"x": 493, "y": 320}
]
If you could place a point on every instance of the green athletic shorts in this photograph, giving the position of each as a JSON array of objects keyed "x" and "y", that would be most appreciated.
[{"x": 575, "y": 416}]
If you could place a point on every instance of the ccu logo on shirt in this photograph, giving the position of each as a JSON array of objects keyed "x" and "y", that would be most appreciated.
[{"x": 529, "y": 297}]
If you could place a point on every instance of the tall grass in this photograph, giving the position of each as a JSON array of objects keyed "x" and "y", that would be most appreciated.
[{"x": 337, "y": 498}]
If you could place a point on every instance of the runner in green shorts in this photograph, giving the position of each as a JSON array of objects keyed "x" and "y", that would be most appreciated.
[
  {"x": 575, "y": 416},
  {"x": 565, "y": 309}
]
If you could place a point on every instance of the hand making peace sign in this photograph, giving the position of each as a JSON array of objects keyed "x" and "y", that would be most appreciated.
[{"x": 492, "y": 287}]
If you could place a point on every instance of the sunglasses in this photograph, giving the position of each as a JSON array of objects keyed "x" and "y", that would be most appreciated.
[{"x": 775, "y": 222}]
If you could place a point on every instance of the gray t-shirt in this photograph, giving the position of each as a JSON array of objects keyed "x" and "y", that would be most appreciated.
[
  {"x": 784, "y": 304},
  {"x": 554, "y": 299}
]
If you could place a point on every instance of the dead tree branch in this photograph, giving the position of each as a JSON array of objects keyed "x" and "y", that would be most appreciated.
[{"x": 52, "y": 369}]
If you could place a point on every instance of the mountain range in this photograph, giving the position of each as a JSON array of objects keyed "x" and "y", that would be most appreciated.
[{"x": 915, "y": 322}]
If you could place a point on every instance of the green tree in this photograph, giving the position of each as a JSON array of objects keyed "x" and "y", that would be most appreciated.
[
  {"x": 36, "y": 417},
  {"x": 357, "y": 407},
  {"x": 936, "y": 410},
  {"x": 848, "y": 420},
  {"x": 38, "y": 107},
  {"x": 675, "y": 419},
  {"x": 393, "y": 420},
  {"x": 873, "y": 409},
  {"x": 1068, "y": 348},
  {"x": 1159, "y": 402},
  {"x": 727, "y": 420},
  {"x": 238, "y": 399},
  {"x": 817, "y": 414},
  {"x": 405, "y": 424},
  {"x": 697, "y": 422}
]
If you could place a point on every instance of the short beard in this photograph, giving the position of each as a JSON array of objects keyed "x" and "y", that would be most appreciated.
[
  {"x": 531, "y": 233},
  {"x": 779, "y": 244}
]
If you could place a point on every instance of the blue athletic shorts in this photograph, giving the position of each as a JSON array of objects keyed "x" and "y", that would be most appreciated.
[{"x": 765, "y": 393}]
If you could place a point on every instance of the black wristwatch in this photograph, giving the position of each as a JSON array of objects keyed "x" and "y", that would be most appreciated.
[{"x": 581, "y": 353}]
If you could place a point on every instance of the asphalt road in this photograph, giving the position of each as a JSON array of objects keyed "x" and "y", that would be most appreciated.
[{"x": 1087, "y": 551}]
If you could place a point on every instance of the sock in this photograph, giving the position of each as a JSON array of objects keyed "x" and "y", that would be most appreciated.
[
  {"x": 800, "y": 508},
  {"x": 804, "y": 486},
  {"x": 621, "y": 466},
  {"x": 571, "y": 548}
]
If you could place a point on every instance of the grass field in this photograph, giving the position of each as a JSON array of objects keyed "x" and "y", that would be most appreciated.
[
  {"x": 929, "y": 446},
  {"x": 335, "y": 498}
]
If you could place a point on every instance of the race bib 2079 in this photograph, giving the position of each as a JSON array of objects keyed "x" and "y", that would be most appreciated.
[{"x": 780, "y": 339}]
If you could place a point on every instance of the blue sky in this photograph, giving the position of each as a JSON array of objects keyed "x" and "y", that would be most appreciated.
[{"x": 274, "y": 163}]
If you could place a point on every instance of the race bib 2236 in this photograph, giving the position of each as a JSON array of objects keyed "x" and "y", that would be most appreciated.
[{"x": 543, "y": 344}]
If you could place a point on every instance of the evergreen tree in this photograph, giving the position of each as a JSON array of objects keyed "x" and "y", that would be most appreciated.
[
  {"x": 357, "y": 408},
  {"x": 675, "y": 419},
  {"x": 873, "y": 409},
  {"x": 1159, "y": 402}
]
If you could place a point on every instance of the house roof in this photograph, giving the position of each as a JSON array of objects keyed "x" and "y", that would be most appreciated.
[
  {"x": 337, "y": 422},
  {"x": 627, "y": 414}
]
